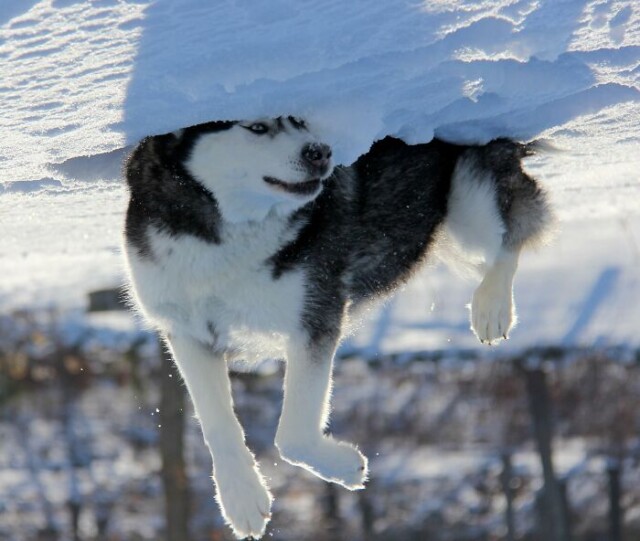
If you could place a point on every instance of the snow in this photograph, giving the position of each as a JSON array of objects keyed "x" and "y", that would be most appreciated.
[{"x": 82, "y": 80}]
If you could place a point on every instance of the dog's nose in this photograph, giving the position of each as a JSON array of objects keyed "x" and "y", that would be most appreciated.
[{"x": 317, "y": 154}]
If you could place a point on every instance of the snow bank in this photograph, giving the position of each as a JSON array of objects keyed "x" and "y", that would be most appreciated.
[
  {"x": 82, "y": 78},
  {"x": 362, "y": 70}
]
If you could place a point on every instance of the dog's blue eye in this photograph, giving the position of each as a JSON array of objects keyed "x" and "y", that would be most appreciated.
[{"x": 258, "y": 128}]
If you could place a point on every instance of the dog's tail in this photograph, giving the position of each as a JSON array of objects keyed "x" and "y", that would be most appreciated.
[
  {"x": 508, "y": 149},
  {"x": 538, "y": 146},
  {"x": 533, "y": 221}
]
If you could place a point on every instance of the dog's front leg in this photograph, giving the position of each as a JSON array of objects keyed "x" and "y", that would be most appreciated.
[
  {"x": 305, "y": 413},
  {"x": 242, "y": 494}
]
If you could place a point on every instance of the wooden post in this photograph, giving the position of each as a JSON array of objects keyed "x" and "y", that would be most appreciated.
[
  {"x": 505, "y": 478},
  {"x": 332, "y": 517},
  {"x": 541, "y": 416},
  {"x": 615, "y": 495},
  {"x": 366, "y": 511},
  {"x": 105, "y": 300},
  {"x": 174, "y": 474},
  {"x": 543, "y": 526},
  {"x": 566, "y": 507}
]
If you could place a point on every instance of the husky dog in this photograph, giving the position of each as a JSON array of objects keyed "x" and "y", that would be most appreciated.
[{"x": 244, "y": 242}]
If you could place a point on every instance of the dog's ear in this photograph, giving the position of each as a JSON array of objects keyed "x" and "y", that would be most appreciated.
[
  {"x": 166, "y": 147},
  {"x": 178, "y": 144},
  {"x": 210, "y": 127}
]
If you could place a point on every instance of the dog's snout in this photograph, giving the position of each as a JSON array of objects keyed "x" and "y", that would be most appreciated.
[{"x": 317, "y": 154}]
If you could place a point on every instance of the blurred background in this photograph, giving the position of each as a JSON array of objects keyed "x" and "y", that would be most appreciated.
[{"x": 98, "y": 440}]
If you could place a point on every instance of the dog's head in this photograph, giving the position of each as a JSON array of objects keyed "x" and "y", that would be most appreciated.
[{"x": 259, "y": 166}]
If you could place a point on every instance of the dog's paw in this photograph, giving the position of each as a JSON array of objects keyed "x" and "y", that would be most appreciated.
[
  {"x": 331, "y": 460},
  {"x": 492, "y": 311},
  {"x": 244, "y": 500}
]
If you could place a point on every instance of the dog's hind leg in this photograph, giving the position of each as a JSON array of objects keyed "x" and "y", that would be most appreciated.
[
  {"x": 492, "y": 306},
  {"x": 300, "y": 437},
  {"x": 242, "y": 494},
  {"x": 495, "y": 210},
  {"x": 472, "y": 241}
]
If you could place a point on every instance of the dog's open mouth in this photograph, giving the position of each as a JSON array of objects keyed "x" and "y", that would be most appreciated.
[{"x": 308, "y": 187}]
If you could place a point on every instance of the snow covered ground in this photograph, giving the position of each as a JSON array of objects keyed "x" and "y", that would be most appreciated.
[{"x": 81, "y": 80}]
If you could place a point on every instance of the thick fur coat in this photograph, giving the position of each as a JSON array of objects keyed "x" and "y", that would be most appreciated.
[{"x": 243, "y": 241}]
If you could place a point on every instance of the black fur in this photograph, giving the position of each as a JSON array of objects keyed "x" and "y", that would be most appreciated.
[
  {"x": 297, "y": 123},
  {"x": 164, "y": 194},
  {"x": 522, "y": 202},
  {"x": 374, "y": 221}
]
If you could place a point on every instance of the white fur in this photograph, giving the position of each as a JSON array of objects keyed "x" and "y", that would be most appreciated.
[
  {"x": 470, "y": 241},
  {"x": 194, "y": 283},
  {"x": 305, "y": 414},
  {"x": 242, "y": 493},
  {"x": 219, "y": 161},
  {"x": 256, "y": 317},
  {"x": 471, "y": 235},
  {"x": 227, "y": 284},
  {"x": 189, "y": 283},
  {"x": 492, "y": 308}
]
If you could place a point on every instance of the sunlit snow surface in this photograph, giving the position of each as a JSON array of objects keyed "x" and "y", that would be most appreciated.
[{"x": 81, "y": 80}]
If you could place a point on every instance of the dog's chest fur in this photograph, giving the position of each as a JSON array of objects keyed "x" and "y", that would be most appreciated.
[{"x": 224, "y": 294}]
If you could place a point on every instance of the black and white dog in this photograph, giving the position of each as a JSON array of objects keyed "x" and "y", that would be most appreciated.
[{"x": 244, "y": 242}]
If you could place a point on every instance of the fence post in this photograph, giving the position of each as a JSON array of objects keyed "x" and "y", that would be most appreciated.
[
  {"x": 366, "y": 511},
  {"x": 506, "y": 477},
  {"x": 174, "y": 474},
  {"x": 615, "y": 495},
  {"x": 542, "y": 419},
  {"x": 566, "y": 508},
  {"x": 331, "y": 508}
]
